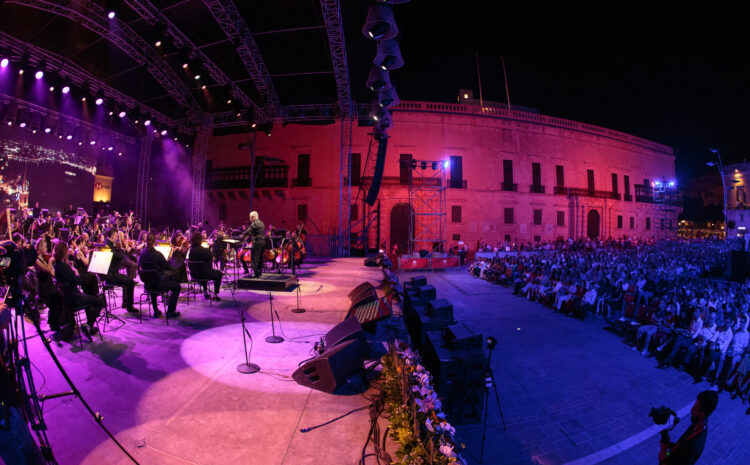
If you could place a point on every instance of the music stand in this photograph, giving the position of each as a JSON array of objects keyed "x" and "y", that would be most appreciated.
[{"x": 99, "y": 264}]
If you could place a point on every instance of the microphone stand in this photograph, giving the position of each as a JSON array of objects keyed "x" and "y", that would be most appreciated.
[
  {"x": 298, "y": 308},
  {"x": 273, "y": 339},
  {"x": 247, "y": 367}
]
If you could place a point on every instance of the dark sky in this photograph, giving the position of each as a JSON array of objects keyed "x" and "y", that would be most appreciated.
[{"x": 673, "y": 73}]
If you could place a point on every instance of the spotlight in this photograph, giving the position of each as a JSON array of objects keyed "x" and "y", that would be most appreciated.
[
  {"x": 671, "y": 183},
  {"x": 229, "y": 100},
  {"x": 51, "y": 88},
  {"x": 33, "y": 131},
  {"x": 80, "y": 143},
  {"x": 388, "y": 55},
  {"x": 69, "y": 137},
  {"x": 446, "y": 164},
  {"x": 10, "y": 123},
  {"x": 203, "y": 87},
  {"x": 4, "y": 63},
  {"x": 83, "y": 99},
  {"x": 157, "y": 43},
  {"x": 380, "y": 24},
  {"x": 163, "y": 132},
  {"x": 122, "y": 114},
  {"x": 99, "y": 101},
  {"x": 111, "y": 15},
  {"x": 197, "y": 76},
  {"x": 378, "y": 79},
  {"x": 23, "y": 124},
  {"x": 491, "y": 342},
  {"x": 147, "y": 122},
  {"x": 111, "y": 113},
  {"x": 184, "y": 66},
  {"x": 20, "y": 72},
  {"x": 253, "y": 125},
  {"x": 47, "y": 130},
  {"x": 119, "y": 154},
  {"x": 65, "y": 89},
  {"x": 93, "y": 142},
  {"x": 110, "y": 148}
]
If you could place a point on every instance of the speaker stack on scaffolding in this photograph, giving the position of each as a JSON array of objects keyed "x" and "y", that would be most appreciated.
[{"x": 451, "y": 351}]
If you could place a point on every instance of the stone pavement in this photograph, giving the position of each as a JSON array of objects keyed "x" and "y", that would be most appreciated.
[{"x": 570, "y": 389}]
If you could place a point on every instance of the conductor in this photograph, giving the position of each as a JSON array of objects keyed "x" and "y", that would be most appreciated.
[{"x": 257, "y": 231}]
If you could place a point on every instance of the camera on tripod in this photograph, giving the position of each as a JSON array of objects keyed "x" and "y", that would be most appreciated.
[{"x": 664, "y": 416}]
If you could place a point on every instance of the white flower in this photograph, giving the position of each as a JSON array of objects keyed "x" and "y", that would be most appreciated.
[{"x": 447, "y": 450}]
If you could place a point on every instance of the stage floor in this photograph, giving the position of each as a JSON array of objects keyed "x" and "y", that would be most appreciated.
[{"x": 172, "y": 394}]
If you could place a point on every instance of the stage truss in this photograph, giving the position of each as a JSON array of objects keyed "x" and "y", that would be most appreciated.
[{"x": 427, "y": 192}]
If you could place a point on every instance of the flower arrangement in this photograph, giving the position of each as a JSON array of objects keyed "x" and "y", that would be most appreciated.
[{"x": 417, "y": 423}]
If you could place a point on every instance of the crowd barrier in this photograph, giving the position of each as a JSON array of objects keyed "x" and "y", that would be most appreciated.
[{"x": 428, "y": 263}]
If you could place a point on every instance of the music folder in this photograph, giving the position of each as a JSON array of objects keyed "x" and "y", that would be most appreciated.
[{"x": 100, "y": 261}]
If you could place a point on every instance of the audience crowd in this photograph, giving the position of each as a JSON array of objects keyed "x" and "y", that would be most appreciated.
[{"x": 672, "y": 300}]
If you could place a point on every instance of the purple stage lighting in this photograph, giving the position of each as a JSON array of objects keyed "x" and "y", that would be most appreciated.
[
  {"x": 23, "y": 124},
  {"x": 51, "y": 88},
  {"x": 20, "y": 72},
  {"x": 446, "y": 164},
  {"x": 39, "y": 74},
  {"x": 4, "y": 63},
  {"x": 47, "y": 130},
  {"x": 110, "y": 148},
  {"x": 163, "y": 132},
  {"x": 99, "y": 101},
  {"x": 111, "y": 15},
  {"x": 93, "y": 142},
  {"x": 122, "y": 114},
  {"x": 69, "y": 137},
  {"x": 147, "y": 122},
  {"x": 65, "y": 89}
]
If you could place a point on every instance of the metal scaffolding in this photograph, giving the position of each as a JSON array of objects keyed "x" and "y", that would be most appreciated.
[
  {"x": 144, "y": 166},
  {"x": 345, "y": 188},
  {"x": 200, "y": 150},
  {"x": 427, "y": 189}
]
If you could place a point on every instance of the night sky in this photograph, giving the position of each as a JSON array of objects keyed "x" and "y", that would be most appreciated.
[{"x": 673, "y": 73}]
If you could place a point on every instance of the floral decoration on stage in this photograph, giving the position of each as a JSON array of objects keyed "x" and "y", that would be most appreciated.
[{"x": 417, "y": 423}]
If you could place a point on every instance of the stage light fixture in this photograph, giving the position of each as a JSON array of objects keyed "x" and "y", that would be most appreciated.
[
  {"x": 69, "y": 137},
  {"x": 203, "y": 87},
  {"x": 197, "y": 76},
  {"x": 39, "y": 74},
  {"x": 93, "y": 142},
  {"x": 147, "y": 122},
  {"x": 111, "y": 15},
  {"x": 80, "y": 142},
  {"x": 110, "y": 148},
  {"x": 51, "y": 88},
  {"x": 229, "y": 101},
  {"x": 164, "y": 132},
  {"x": 99, "y": 101},
  {"x": 446, "y": 164},
  {"x": 388, "y": 97},
  {"x": 83, "y": 99},
  {"x": 184, "y": 66},
  {"x": 380, "y": 23},
  {"x": 65, "y": 89},
  {"x": 47, "y": 130},
  {"x": 122, "y": 114},
  {"x": 378, "y": 79},
  {"x": 424, "y": 165},
  {"x": 4, "y": 63},
  {"x": 20, "y": 72},
  {"x": 388, "y": 55},
  {"x": 157, "y": 43}
]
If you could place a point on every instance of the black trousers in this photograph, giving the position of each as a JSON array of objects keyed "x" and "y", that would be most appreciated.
[
  {"x": 259, "y": 245},
  {"x": 97, "y": 304},
  {"x": 215, "y": 276},
  {"x": 165, "y": 285},
  {"x": 127, "y": 284}
]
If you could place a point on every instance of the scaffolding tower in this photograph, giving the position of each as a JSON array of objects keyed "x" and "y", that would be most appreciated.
[{"x": 427, "y": 189}]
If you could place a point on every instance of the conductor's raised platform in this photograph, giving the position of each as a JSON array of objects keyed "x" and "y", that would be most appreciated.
[{"x": 267, "y": 282}]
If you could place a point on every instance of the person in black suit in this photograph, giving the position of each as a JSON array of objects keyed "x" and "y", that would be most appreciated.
[
  {"x": 113, "y": 274},
  {"x": 198, "y": 253},
  {"x": 257, "y": 231},
  {"x": 68, "y": 281},
  {"x": 162, "y": 276}
]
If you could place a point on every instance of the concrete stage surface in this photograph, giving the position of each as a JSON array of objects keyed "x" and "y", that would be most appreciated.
[
  {"x": 573, "y": 392},
  {"x": 172, "y": 394}
]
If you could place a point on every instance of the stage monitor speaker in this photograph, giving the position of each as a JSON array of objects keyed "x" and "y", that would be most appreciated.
[
  {"x": 440, "y": 308},
  {"x": 364, "y": 297},
  {"x": 344, "y": 331},
  {"x": 377, "y": 177},
  {"x": 460, "y": 338},
  {"x": 457, "y": 173},
  {"x": 418, "y": 281},
  {"x": 359, "y": 289},
  {"x": 739, "y": 266},
  {"x": 370, "y": 313},
  {"x": 332, "y": 368}
]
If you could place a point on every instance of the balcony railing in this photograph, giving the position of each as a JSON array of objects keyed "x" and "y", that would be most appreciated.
[
  {"x": 536, "y": 189},
  {"x": 584, "y": 192},
  {"x": 239, "y": 177},
  {"x": 646, "y": 194},
  {"x": 509, "y": 187}
]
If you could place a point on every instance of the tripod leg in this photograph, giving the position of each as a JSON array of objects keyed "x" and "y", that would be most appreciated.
[
  {"x": 484, "y": 423},
  {"x": 497, "y": 398}
]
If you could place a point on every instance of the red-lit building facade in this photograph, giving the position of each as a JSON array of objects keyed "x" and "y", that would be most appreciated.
[{"x": 523, "y": 177}]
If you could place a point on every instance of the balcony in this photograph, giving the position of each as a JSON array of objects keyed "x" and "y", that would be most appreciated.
[
  {"x": 582, "y": 192},
  {"x": 509, "y": 187},
  {"x": 239, "y": 177},
  {"x": 646, "y": 194},
  {"x": 536, "y": 189}
]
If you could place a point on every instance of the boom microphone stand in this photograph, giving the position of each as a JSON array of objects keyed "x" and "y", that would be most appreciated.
[
  {"x": 273, "y": 339},
  {"x": 298, "y": 308},
  {"x": 247, "y": 367},
  {"x": 490, "y": 381}
]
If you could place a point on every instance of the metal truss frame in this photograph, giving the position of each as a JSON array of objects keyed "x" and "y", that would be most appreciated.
[
  {"x": 144, "y": 166},
  {"x": 78, "y": 76},
  {"x": 200, "y": 150},
  {"x": 93, "y": 17},
  {"x": 334, "y": 28},
  {"x": 345, "y": 188},
  {"x": 231, "y": 22},
  {"x": 151, "y": 13},
  {"x": 427, "y": 199}
]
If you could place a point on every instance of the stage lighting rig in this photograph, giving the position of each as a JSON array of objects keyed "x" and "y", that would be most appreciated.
[
  {"x": 380, "y": 23},
  {"x": 388, "y": 97},
  {"x": 388, "y": 55},
  {"x": 4, "y": 63},
  {"x": 378, "y": 79}
]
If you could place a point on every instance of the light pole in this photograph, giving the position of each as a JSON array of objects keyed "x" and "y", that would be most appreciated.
[{"x": 720, "y": 167}]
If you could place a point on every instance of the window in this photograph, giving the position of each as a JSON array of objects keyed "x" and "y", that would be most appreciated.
[
  {"x": 632, "y": 222},
  {"x": 648, "y": 224},
  {"x": 507, "y": 238},
  {"x": 561, "y": 218},
  {"x": 353, "y": 212},
  {"x": 302, "y": 212},
  {"x": 456, "y": 237},
  {"x": 507, "y": 171},
  {"x": 537, "y": 238},
  {"x": 619, "y": 221},
  {"x": 560, "y": 172},
  {"x": 456, "y": 172},
  {"x": 404, "y": 172},
  {"x": 303, "y": 169},
  {"x": 536, "y": 174},
  {"x": 626, "y": 181},
  {"x": 614, "y": 183},
  {"x": 537, "y": 217},
  {"x": 508, "y": 216},
  {"x": 590, "y": 178},
  {"x": 456, "y": 213},
  {"x": 355, "y": 172}
]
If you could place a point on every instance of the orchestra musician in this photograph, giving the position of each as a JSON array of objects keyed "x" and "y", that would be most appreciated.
[
  {"x": 198, "y": 253},
  {"x": 68, "y": 279},
  {"x": 163, "y": 277},
  {"x": 48, "y": 294},
  {"x": 178, "y": 257},
  {"x": 220, "y": 248},
  {"x": 113, "y": 274},
  {"x": 257, "y": 232},
  {"x": 89, "y": 283}
]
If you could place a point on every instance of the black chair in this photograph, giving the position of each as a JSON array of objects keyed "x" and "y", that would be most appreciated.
[
  {"x": 195, "y": 285},
  {"x": 148, "y": 277},
  {"x": 69, "y": 305}
]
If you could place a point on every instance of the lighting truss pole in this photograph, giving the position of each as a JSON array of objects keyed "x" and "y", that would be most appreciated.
[
  {"x": 427, "y": 192},
  {"x": 231, "y": 22},
  {"x": 144, "y": 164},
  {"x": 200, "y": 151},
  {"x": 720, "y": 167},
  {"x": 345, "y": 187}
]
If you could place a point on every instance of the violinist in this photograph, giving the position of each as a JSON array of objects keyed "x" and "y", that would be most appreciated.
[
  {"x": 178, "y": 257},
  {"x": 68, "y": 280},
  {"x": 81, "y": 254},
  {"x": 129, "y": 260},
  {"x": 219, "y": 250},
  {"x": 113, "y": 274},
  {"x": 199, "y": 259},
  {"x": 48, "y": 294}
]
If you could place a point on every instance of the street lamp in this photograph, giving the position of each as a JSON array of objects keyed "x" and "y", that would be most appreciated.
[{"x": 720, "y": 167}]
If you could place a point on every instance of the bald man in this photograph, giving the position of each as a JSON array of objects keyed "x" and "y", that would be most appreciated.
[{"x": 257, "y": 231}]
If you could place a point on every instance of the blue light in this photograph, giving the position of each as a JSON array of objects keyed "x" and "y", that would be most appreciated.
[
  {"x": 446, "y": 164},
  {"x": 671, "y": 183}
]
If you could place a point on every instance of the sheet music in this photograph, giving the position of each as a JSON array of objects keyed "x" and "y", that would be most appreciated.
[
  {"x": 164, "y": 250},
  {"x": 100, "y": 261}
]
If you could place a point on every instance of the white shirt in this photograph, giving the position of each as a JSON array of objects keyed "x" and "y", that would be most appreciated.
[
  {"x": 723, "y": 338},
  {"x": 695, "y": 327},
  {"x": 739, "y": 342},
  {"x": 590, "y": 297}
]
